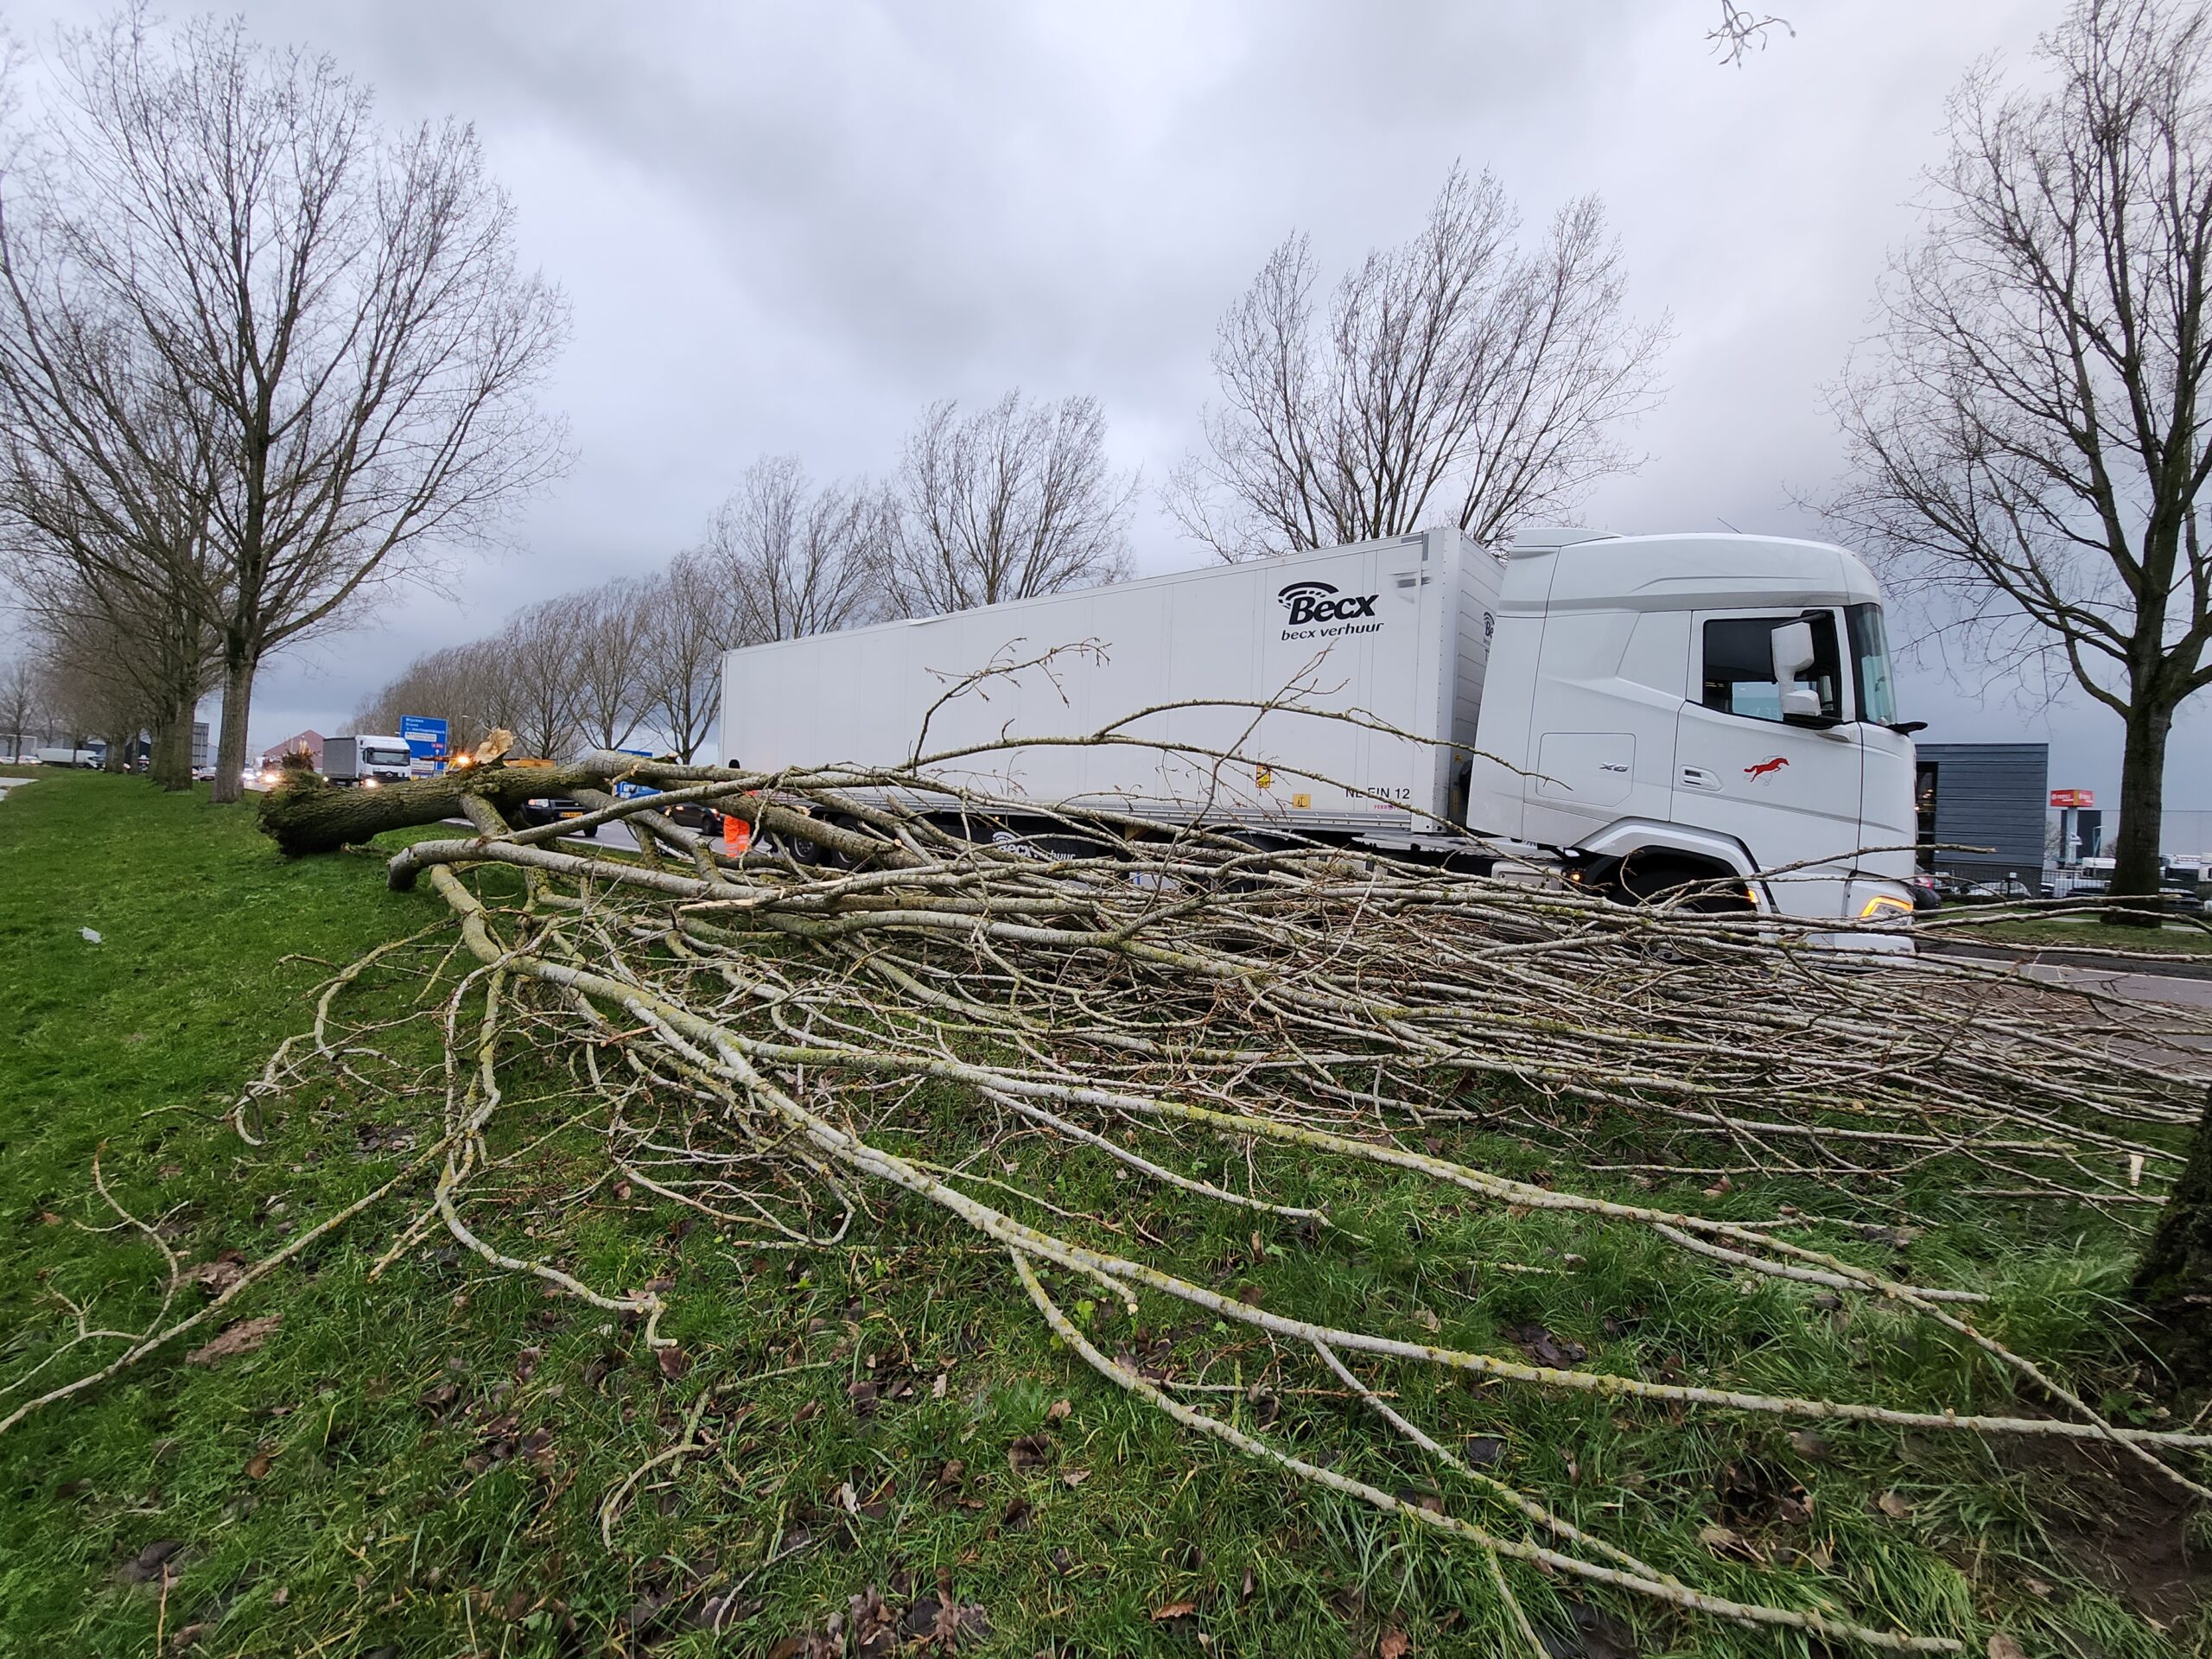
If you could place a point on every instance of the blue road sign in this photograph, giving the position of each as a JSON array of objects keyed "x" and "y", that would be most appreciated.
[{"x": 426, "y": 737}]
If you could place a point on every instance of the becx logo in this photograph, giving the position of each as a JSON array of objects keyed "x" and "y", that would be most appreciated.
[{"x": 1318, "y": 601}]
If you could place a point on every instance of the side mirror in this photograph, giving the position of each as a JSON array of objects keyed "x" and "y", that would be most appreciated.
[
  {"x": 1800, "y": 703},
  {"x": 1792, "y": 647}
]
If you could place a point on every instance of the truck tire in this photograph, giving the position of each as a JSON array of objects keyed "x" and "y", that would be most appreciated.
[{"x": 1644, "y": 881}]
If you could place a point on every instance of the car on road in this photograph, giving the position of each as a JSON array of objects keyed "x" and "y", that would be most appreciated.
[{"x": 541, "y": 809}]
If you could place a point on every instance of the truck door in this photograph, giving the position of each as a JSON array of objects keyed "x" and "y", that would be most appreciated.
[{"x": 1788, "y": 788}]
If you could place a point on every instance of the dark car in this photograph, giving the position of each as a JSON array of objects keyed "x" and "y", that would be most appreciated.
[{"x": 542, "y": 809}]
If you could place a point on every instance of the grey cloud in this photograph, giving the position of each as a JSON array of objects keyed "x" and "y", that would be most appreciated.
[{"x": 787, "y": 227}]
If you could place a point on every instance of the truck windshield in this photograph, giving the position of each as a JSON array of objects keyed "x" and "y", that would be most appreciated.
[
  {"x": 1869, "y": 660},
  {"x": 385, "y": 757}
]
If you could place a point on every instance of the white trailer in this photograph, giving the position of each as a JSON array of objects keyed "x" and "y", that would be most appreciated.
[{"x": 1633, "y": 712}]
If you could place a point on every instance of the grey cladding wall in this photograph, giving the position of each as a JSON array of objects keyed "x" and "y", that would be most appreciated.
[{"x": 1994, "y": 795}]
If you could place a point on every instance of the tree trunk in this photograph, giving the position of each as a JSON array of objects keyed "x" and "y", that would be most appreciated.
[
  {"x": 2142, "y": 814},
  {"x": 310, "y": 817},
  {"x": 315, "y": 817},
  {"x": 2173, "y": 1281},
  {"x": 230, "y": 749},
  {"x": 172, "y": 760}
]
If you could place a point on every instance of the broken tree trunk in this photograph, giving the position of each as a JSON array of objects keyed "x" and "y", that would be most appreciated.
[
  {"x": 2173, "y": 1281},
  {"x": 312, "y": 817}
]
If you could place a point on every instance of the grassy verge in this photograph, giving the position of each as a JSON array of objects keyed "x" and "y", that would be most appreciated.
[
  {"x": 2084, "y": 933},
  {"x": 417, "y": 1464}
]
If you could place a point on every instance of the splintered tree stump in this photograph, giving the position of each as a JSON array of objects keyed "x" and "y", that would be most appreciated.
[
  {"x": 312, "y": 817},
  {"x": 2173, "y": 1281}
]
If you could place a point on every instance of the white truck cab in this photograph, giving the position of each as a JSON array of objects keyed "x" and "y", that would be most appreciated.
[{"x": 1665, "y": 708}]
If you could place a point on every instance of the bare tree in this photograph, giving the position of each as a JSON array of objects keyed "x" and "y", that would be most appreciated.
[
  {"x": 689, "y": 622},
  {"x": 609, "y": 641},
  {"x": 82, "y": 686},
  {"x": 155, "y": 657},
  {"x": 2026, "y": 435},
  {"x": 1740, "y": 30},
  {"x": 22, "y": 706},
  {"x": 461, "y": 684},
  {"x": 533, "y": 665},
  {"x": 799, "y": 559},
  {"x": 340, "y": 306},
  {"x": 1012, "y": 501},
  {"x": 1457, "y": 379}
]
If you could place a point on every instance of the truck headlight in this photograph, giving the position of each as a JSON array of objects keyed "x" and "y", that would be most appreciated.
[{"x": 1883, "y": 906}]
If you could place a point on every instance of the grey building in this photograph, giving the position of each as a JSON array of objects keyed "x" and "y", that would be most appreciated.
[{"x": 1993, "y": 796}]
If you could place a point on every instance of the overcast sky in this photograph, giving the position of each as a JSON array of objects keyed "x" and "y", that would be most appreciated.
[{"x": 787, "y": 228}]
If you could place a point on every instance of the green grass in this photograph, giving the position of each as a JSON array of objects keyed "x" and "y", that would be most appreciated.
[
  {"x": 416, "y": 1465},
  {"x": 2086, "y": 932}
]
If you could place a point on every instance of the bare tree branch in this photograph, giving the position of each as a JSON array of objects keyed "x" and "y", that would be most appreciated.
[{"x": 1455, "y": 380}]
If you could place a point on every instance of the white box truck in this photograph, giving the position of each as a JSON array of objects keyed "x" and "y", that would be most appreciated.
[
  {"x": 1632, "y": 712},
  {"x": 365, "y": 762}
]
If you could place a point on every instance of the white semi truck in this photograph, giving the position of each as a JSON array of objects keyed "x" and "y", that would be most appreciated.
[{"x": 1631, "y": 713}]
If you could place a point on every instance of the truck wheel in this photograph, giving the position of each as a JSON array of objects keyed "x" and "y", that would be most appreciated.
[{"x": 1712, "y": 892}]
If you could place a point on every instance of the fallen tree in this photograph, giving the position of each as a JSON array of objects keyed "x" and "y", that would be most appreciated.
[{"x": 1211, "y": 1018}]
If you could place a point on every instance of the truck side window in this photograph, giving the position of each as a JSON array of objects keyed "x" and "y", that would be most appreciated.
[{"x": 1739, "y": 665}]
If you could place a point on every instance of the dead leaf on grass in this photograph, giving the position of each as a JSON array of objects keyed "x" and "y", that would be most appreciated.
[
  {"x": 1393, "y": 1645},
  {"x": 256, "y": 1466},
  {"x": 1173, "y": 1609},
  {"x": 240, "y": 1338},
  {"x": 151, "y": 1562},
  {"x": 1075, "y": 1477},
  {"x": 1058, "y": 1411},
  {"x": 1893, "y": 1505},
  {"x": 2002, "y": 1646},
  {"x": 1545, "y": 1349},
  {"x": 1027, "y": 1452},
  {"x": 219, "y": 1273},
  {"x": 673, "y": 1362}
]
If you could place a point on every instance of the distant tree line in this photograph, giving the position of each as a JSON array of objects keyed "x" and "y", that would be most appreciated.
[{"x": 1009, "y": 501}]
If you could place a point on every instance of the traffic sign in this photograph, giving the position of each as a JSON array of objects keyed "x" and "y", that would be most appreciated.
[
  {"x": 2066, "y": 797},
  {"x": 426, "y": 737}
]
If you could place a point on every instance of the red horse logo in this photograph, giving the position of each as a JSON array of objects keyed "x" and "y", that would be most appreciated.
[{"x": 1764, "y": 766}]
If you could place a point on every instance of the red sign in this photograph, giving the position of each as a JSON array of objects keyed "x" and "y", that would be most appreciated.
[{"x": 2062, "y": 797}]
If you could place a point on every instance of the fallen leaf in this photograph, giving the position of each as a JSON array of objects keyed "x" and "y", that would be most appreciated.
[
  {"x": 1891, "y": 1504},
  {"x": 936, "y": 1388},
  {"x": 2002, "y": 1646},
  {"x": 1484, "y": 1450},
  {"x": 1027, "y": 1452},
  {"x": 673, "y": 1362},
  {"x": 1808, "y": 1442},
  {"x": 1058, "y": 1411},
  {"x": 240, "y": 1338},
  {"x": 1174, "y": 1610},
  {"x": 1393, "y": 1645},
  {"x": 1545, "y": 1349},
  {"x": 1075, "y": 1477},
  {"x": 256, "y": 1466},
  {"x": 1016, "y": 1517},
  {"x": 151, "y": 1562},
  {"x": 47, "y": 1219},
  {"x": 218, "y": 1275}
]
